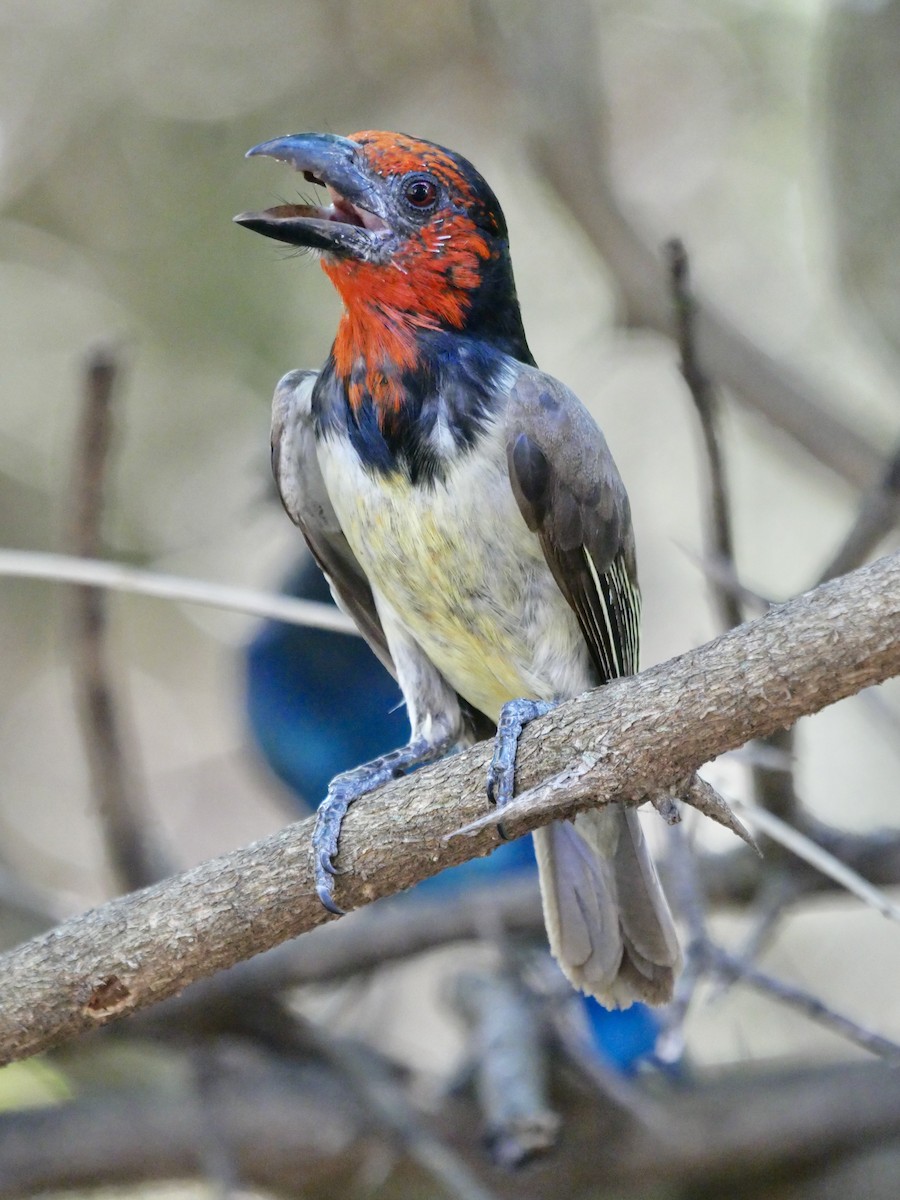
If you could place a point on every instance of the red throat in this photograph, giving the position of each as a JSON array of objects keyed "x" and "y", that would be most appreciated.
[{"x": 428, "y": 284}]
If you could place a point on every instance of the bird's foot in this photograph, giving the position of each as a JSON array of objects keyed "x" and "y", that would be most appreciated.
[
  {"x": 343, "y": 791},
  {"x": 501, "y": 780},
  {"x": 327, "y": 833}
]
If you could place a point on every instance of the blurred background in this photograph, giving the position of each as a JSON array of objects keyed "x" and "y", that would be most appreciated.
[{"x": 764, "y": 134}]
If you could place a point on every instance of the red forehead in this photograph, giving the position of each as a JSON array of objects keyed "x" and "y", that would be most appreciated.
[{"x": 398, "y": 153}]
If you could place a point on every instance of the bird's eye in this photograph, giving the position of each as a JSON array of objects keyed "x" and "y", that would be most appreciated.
[{"x": 420, "y": 192}]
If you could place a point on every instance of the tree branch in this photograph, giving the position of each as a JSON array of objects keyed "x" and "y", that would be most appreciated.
[
  {"x": 644, "y": 733},
  {"x": 879, "y": 512},
  {"x": 94, "y": 572},
  {"x": 719, "y": 534},
  {"x": 134, "y": 855}
]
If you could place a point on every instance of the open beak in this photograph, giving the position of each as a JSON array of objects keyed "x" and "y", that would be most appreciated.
[{"x": 353, "y": 225}]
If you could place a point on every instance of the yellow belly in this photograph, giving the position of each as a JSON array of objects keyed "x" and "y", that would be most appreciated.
[
  {"x": 462, "y": 614},
  {"x": 465, "y": 576}
]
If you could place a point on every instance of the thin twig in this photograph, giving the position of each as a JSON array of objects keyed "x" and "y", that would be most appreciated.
[
  {"x": 810, "y": 1005},
  {"x": 63, "y": 568},
  {"x": 804, "y": 847},
  {"x": 774, "y": 786},
  {"x": 879, "y": 512},
  {"x": 724, "y": 575},
  {"x": 777, "y": 891},
  {"x": 720, "y": 540},
  {"x": 578, "y": 780},
  {"x": 135, "y": 858}
]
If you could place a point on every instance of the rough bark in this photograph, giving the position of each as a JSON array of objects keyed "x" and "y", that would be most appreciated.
[{"x": 627, "y": 741}]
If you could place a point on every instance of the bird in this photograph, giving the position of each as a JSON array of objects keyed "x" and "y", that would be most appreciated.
[{"x": 468, "y": 514}]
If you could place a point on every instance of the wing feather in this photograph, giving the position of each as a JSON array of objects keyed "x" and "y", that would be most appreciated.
[
  {"x": 570, "y": 494},
  {"x": 301, "y": 487},
  {"x": 607, "y": 918}
]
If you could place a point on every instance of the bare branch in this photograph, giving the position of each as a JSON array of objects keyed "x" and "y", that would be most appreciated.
[
  {"x": 879, "y": 512},
  {"x": 778, "y": 889},
  {"x": 301, "y": 1134},
  {"x": 272, "y": 1127},
  {"x": 720, "y": 540},
  {"x": 804, "y": 847},
  {"x": 646, "y": 733},
  {"x": 62, "y": 568},
  {"x": 135, "y": 858},
  {"x": 811, "y": 1006},
  {"x": 361, "y": 942},
  {"x": 510, "y": 1067}
]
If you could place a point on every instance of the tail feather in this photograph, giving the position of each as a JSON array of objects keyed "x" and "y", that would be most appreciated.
[{"x": 607, "y": 918}]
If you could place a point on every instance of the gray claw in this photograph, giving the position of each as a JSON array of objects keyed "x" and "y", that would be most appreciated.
[
  {"x": 500, "y": 783},
  {"x": 323, "y": 891},
  {"x": 326, "y": 863}
]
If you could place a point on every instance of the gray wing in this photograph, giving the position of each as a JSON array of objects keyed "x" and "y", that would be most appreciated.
[
  {"x": 570, "y": 494},
  {"x": 608, "y": 921},
  {"x": 306, "y": 501}
]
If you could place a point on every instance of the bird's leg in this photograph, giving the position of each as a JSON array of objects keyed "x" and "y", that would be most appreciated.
[
  {"x": 501, "y": 780},
  {"x": 349, "y": 786}
]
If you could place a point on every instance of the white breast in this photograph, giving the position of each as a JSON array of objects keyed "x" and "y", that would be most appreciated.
[{"x": 458, "y": 566}]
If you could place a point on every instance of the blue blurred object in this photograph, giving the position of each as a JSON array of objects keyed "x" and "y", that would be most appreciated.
[
  {"x": 319, "y": 703},
  {"x": 627, "y": 1037}
]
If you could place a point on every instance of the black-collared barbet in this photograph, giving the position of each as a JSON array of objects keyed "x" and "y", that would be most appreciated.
[{"x": 467, "y": 513}]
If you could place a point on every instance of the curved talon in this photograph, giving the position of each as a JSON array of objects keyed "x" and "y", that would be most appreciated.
[
  {"x": 500, "y": 787},
  {"x": 497, "y": 795},
  {"x": 328, "y": 902},
  {"x": 326, "y": 865}
]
